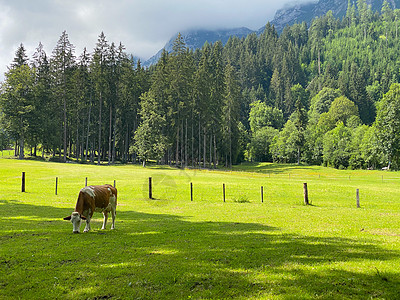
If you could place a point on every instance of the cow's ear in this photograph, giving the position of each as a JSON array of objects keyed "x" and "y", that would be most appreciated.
[
  {"x": 67, "y": 218},
  {"x": 83, "y": 217}
]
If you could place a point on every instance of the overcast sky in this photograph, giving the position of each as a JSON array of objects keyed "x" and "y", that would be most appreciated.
[{"x": 143, "y": 26}]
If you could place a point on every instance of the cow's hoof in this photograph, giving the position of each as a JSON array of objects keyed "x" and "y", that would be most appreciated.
[{"x": 75, "y": 231}]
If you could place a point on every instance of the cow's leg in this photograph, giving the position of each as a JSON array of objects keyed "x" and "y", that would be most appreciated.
[
  {"x": 113, "y": 214},
  {"x": 87, "y": 227},
  {"x": 105, "y": 214}
]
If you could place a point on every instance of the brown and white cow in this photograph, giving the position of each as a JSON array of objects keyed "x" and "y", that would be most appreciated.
[{"x": 99, "y": 198}]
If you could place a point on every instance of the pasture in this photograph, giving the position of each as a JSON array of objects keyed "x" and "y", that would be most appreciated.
[{"x": 174, "y": 248}]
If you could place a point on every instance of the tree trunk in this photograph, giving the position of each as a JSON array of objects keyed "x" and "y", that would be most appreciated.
[
  {"x": 204, "y": 148},
  {"x": 77, "y": 143},
  {"x": 99, "y": 149},
  {"x": 16, "y": 148},
  {"x": 192, "y": 142},
  {"x": 21, "y": 146},
  {"x": 182, "y": 147},
  {"x": 298, "y": 155},
  {"x": 215, "y": 153},
  {"x": 110, "y": 137},
  {"x": 186, "y": 146},
  {"x": 177, "y": 146},
  {"x": 211, "y": 150},
  {"x": 113, "y": 142},
  {"x": 88, "y": 132},
  {"x": 65, "y": 126},
  {"x": 199, "y": 143}
]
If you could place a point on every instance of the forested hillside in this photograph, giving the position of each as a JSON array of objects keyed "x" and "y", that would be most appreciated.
[{"x": 324, "y": 94}]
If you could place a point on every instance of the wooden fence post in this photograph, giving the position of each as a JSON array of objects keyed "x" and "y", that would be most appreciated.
[
  {"x": 191, "y": 191},
  {"x": 56, "y": 185},
  {"x": 358, "y": 198},
  {"x": 223, "y": 189},
  {"x": 306, "y": 202},
  {"x": 115, "y": 184},
  {"x": 150, "y": 189},
  {"x": 86, "y": 181},
  {"x": 23, "y": 183},
  {"x": 262, "y": 194}
]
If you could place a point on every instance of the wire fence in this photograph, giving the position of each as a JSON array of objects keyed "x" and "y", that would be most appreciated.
[{"x": 239, "y": 187}]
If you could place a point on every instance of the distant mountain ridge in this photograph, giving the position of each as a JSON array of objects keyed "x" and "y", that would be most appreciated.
[
  {"x": 195, "y": 39},
  {"x": 296, "y": 13},
  {"x": 307, "y": 11}
]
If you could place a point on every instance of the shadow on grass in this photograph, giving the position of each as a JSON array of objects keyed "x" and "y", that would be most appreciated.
[
  {"x": 271, "y": 168},
  {"x": 155, "y": 256}
]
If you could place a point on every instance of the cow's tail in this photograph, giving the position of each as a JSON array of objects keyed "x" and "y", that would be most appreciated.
[{"x": 116, "y": 201}]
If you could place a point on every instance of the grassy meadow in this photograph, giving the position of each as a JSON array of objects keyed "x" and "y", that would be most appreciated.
[{"x": 174, "y": 248}]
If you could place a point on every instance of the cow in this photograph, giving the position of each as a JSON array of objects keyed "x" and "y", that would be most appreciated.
[{"x": 99, "y": 198}]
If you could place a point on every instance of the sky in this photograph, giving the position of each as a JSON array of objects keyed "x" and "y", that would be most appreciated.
[{"x": 143, "y": 26}]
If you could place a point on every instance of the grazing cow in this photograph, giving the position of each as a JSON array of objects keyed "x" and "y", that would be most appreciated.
[{"x": 99, "y": 198}]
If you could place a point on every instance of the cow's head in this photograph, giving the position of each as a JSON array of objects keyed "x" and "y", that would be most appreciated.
[{"x": 76, "y": 219}]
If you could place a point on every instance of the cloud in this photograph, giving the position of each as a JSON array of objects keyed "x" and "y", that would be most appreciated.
[{"x": 143, "y": 26}]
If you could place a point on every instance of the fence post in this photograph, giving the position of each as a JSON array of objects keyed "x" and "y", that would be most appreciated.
[
  {"x": 56, "y": 185},
  {"x": 223, "y": 189},
  {"x": 358, "y": 198},
  {"x": 150, "y": 189},
  {"x": 86, "y": 181},
  {"x": 306, "y": 202},
  {"x": 23, "y": 183},
  {"x": 115, "y": 184},
  {"x": 262, "y": 194},
  {"x": 191, "y": 191}
]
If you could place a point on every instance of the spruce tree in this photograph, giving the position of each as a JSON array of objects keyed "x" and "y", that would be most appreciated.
[
  {"x": 99, "y": 73},
  {"x": 230, "y": 114},
  {"x": 62, "y": 65}
]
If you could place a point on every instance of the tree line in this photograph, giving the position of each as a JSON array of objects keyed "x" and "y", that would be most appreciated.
[
  {"x": 84, "y": 107},
  {"x": 320, "y": 94}
]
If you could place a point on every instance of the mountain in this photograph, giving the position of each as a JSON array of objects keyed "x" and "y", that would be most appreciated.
[
  {"x": 196, "y": 39},
  {"x": 307, "y": 11},
  {"x": 289, "y": 15}
]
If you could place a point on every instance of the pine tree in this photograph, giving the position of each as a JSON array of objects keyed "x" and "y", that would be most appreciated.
[
  {"x": 230, "y": 114},
  {"x": 17, "y": 102},
  {"x": 83, "y": 106},
  {"x": 20, "y": 57},
  {"x": 99, "y": 78},
  {"x": 45, "y": 123},
  {"x": 179, "y": 98},
  {"x": 202, "y": 100},
  {"x": 62, "y": 64}
]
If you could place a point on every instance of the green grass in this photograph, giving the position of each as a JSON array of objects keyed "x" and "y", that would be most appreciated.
[{"x": 172, "y": 248}]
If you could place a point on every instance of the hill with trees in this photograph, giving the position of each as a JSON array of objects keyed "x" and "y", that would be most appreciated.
[{"x": 320, "y": 94}]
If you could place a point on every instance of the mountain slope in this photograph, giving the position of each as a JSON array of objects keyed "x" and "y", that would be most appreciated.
[
  {"x": 195, "y": 39},
  {"x": 306, "y": 12},
  {"x": 290, "y": 15}
]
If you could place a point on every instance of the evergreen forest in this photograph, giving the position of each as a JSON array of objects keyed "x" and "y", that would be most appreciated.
[{"x": 324, "y": 93}]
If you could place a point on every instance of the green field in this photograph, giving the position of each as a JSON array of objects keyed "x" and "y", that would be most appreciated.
[{"x": 175, "y": 248}]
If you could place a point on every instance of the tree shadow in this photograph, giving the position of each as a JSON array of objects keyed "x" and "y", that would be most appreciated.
[
  {"x": 271, "y": 168},
  {"x": 163, "y": 256}
]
